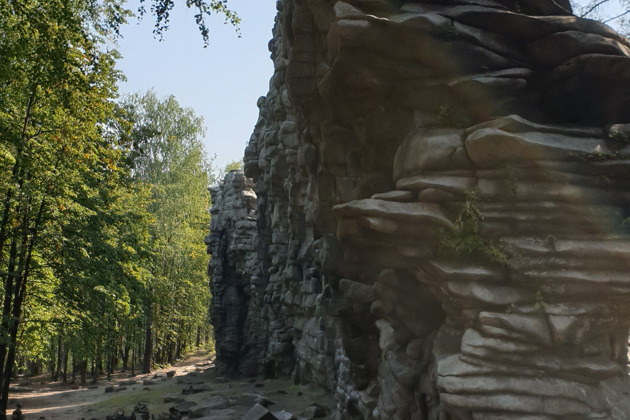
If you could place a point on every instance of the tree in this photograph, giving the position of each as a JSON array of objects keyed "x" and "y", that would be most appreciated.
[
  {"x": 74, "y": 230},
  {"x": 55, "y": 90},
  {"x": 102, "y": 266},
  {"x": 234, "y": 165},
  {"x": 168, "y": 155}
]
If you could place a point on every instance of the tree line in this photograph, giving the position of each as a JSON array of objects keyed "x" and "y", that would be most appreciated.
[{"x": 102, "y": 261}]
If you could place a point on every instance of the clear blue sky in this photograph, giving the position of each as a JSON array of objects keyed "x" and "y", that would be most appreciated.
[{"x": 221, "y": 82}]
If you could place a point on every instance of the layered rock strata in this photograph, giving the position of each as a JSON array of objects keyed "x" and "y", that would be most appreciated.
[
  {"x": 476, "y": 156},
  {"x": 235, "y": 280},
  {"x": 529, "y": 258}
]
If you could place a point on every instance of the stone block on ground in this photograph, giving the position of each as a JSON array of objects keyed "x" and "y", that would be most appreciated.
[
  {"x": 258, "y": 412},
  {"x": 185, "y": 406},
  {"x": 205, "y": 407}
]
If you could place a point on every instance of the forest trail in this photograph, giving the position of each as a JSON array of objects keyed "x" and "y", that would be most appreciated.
[{"x": 194, "y": 389}]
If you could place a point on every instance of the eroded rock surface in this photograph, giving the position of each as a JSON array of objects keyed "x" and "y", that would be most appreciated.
[
  {"x": 234, "y": 275},
  {"x": 442, "y": 203},
  {"x": 533, "y": 277}
]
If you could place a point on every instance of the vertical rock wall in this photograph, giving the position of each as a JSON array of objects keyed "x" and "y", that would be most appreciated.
[
  {"x": 441, "y": 194},
  {"x": 235, "y": 279}
]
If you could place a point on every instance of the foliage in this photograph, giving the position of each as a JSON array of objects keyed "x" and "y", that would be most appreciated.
[
  {"x": 56, "y": 86},
  {"x": 234, "y": 165},
  {"x": 467, "y": 240},
  {"x": 161, "y": 9},
  {"x": 84, "y": 228},
  {"x": 168, "y": 155},
  {"x": 539, "y": 300},
  {"x": 106, "y": 17}
]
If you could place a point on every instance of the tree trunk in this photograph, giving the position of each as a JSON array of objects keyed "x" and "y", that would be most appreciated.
[
  {"x": 55, "y": 375},
  {"x": 20, "y": 261},
  {"x": 99, "y": 362},
  {"x": 65, "y": 365},
  {"x": 147, "y": 360},
  {"x": 93, "y": 371},
  {"x": 133, "y": 360},
  {"x": 19, "y": 291},
  {"x": 7, "y": 319},
  {"x": 125, "y": 358},
  {"x": 4, "y": 397},
  {"x": 83, "y": 369},
  {"x": 74, "y": 370}
]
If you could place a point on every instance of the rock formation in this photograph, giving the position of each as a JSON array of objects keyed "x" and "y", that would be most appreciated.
[
  {"x": 234, "y": 275},
  {"x": 442, "y": 212}
]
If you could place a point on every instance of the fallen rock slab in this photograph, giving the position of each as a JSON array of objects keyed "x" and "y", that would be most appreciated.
[
  {"x": 185, "y": 406},
  {"x": 258, "y": 412},
  {"x": 208, "y": 406}
]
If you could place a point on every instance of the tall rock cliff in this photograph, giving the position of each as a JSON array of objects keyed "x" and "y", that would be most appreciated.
[
  {"x": 235, "y": 279},
  {"x": 442, "y": 201}
]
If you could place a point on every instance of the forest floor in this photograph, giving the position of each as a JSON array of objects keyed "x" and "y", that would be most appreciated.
[{"x": 195, "y": 389}]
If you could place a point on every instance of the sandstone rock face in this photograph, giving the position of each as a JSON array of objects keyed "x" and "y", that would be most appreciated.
[
  {"x": 442, "y": 212},
  {"x": 235, "y": 276}
]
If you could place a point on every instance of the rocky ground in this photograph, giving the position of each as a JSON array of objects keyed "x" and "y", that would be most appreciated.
[{"x": 190, "y": 389}]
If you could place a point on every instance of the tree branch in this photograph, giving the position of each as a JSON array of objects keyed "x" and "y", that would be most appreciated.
[
  {"x": 593, "y": 7},
  {"x": 617, "y": 17}
]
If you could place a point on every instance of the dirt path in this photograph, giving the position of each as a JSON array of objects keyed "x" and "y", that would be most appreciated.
[{"x": 194, "y": 388}]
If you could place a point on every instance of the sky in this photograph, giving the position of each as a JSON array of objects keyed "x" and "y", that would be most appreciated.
[{"x": 221, "y": 83}]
